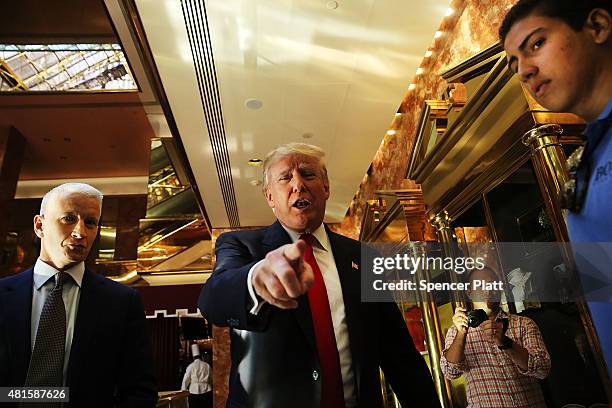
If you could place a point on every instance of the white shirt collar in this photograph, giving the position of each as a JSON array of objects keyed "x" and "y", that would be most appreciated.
[
  {"x": 43, "y": 271},
  {"x": 320, "y": 234}
]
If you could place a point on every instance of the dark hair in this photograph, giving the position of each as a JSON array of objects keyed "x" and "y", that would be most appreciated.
[{"x": 573, "y": 12}]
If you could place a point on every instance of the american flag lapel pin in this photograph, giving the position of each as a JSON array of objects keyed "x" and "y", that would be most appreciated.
[{"x": 354, "y": 265}]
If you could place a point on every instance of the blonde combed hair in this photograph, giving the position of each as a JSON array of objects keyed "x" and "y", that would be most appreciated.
[{"x": 294, "y": 149}]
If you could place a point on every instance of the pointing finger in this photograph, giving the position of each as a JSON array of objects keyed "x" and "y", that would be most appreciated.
[{"x": 295, "y": 252}]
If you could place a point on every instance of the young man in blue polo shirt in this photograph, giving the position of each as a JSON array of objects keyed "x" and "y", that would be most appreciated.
[{"x": 562, "y": 51}]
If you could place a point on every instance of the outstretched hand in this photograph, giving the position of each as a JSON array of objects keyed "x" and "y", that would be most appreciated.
[{"x": 283, "y": 276}]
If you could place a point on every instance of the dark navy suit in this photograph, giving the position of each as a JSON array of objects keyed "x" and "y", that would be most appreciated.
[
  {"x": 110, "y": 360},
  {"x": 274, "y": 359}
]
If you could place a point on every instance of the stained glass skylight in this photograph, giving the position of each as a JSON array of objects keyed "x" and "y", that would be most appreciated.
[{"x": 64, "y": 67}]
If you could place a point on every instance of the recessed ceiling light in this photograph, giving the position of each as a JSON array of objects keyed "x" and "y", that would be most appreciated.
[
  {"x": 308, "y": 135},
  {"x": 419, "y": 71},
  {"x": 398, "y": 114},
  {"x": 332, "y": 5},
  {"x": 449, "y": 12},
  {"x": 428, "y": 53},
  {"x": 438, "y": 34},
  {"x": 391, "y": 132},
  {"x": 253, "y": 103},
  {"x": 255, "y": 163},
  {"x": 411, "y": 87}
]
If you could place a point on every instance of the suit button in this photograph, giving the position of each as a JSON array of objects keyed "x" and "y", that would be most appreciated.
[{"x": 315, "y": 375}]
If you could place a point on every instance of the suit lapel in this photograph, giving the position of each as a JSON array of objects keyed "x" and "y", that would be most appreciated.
[
  {"x": 350, "y": 278},
  {"x": 18, "y": 306},
  {"x": 275, "y": 237},
  {"x": 85, "y": 322}
]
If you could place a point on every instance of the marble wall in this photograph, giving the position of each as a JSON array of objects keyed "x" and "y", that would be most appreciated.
[{"x": 471, "y": 28}]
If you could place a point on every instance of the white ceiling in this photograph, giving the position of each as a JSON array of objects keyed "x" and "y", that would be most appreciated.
[{"x": 339, "y": 74}]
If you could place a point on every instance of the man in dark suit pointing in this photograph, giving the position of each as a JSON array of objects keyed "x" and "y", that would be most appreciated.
[
  {"x": 63, "y": 325},
  {"x": 291, "y": 291}
]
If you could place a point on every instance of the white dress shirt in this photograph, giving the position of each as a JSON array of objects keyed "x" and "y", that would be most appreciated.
[
  {"x": 197, "y": 377},
  {"x": 43, "y": 284},
  {"x": 325, "y": 259}
]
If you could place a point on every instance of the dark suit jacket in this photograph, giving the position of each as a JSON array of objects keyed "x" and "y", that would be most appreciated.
[
  {"x": 110, "y": 360},
  {"x": 275, "y": 361}
]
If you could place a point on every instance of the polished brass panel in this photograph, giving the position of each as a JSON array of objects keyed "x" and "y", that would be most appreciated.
[
  {"x": 442, "y": 223},
  {"x": 406, "y": 213},
  {"x": 470, "y": 119},
  {"x": 549, "y": 164},
  {"x": 483, "y": 145},
  {"x": 381, "y": 213},
  {"x": 172, "y": 399},
  {"x": 475, "y": 66},
  {"x": 384, "y": 230},
  {"x": 487, "y": 130},
  {"x": 432, "y": 111},
  {"x": 478, "y": 139},
  {"x": 435, "y": 339}
]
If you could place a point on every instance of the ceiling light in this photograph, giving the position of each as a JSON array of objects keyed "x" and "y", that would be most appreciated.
[
  {"x": 449, "y": 12},
  {"x": 253, "y": 103},
  {"x": 391, "y": 132},
  {"x": 398, "y": 114},
  {"x": 428, "y": 53},
  {"x": 332, "y": 5},
  {"x": 419, "y": 71},
  {"x": 255, "y": 163},
  {"x": 411, "y": 87},
  {"x": 438, "y": 34}
]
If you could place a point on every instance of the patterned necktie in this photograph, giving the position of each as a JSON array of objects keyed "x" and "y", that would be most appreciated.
[
  {"x": 47, "y": 362},
  {"x": 332, "y": 395}
]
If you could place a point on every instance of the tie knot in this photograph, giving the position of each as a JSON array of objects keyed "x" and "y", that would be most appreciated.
[
  {"x": 309, "y": 238},
  {"x": 60, "y": 279}
]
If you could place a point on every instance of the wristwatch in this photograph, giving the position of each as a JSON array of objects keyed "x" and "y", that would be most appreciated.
[{"x": 506, "y": 343}]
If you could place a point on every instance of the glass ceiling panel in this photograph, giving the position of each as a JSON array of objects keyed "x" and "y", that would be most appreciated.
[{"x": 64, "y": 67}]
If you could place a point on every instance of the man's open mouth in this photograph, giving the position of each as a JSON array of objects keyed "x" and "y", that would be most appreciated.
[
  {"x": 75, "y": 246},
  {"x": 301, "y": 203}
]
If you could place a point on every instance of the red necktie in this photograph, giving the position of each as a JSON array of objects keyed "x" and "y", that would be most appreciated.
[{"x": 332, "y": 394}]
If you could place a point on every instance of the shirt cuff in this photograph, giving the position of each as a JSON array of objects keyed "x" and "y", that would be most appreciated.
[
  {"x": 452, "y": 370},
  {"x": 257, "y": 304}
]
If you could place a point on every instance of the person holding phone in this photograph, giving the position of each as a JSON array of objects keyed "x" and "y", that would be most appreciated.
[{"x": 502, "y": 356}]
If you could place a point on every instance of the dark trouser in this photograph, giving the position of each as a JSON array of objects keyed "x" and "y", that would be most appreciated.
[{"x": 200, "y": 400}]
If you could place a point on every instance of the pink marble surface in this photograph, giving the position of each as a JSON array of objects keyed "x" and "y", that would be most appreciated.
[{"x": 472, "y": 28}]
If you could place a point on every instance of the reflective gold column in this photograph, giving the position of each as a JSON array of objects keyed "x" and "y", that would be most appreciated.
[
  {"x": 441, "y": 222},
  {"x": 548, "y": 160},
  {"x": 433, "y": 331}
]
